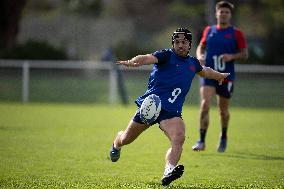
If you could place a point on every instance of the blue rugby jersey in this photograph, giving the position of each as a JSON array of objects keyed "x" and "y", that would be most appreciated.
[
  {"x": 170, "y": 79},
  {"x": 220, "y": 41}
]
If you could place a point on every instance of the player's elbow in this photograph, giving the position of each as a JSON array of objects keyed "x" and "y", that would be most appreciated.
[{"x": 203, "y": 72}]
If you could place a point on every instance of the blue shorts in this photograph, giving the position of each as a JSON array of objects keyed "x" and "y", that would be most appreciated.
[
  {"x": 225, "y": 90},
  {"x": 163, "y": 115}
]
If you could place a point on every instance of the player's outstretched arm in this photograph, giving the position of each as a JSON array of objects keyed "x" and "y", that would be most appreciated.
[
  {"x": 212, "y": 74},
  {"x": 139, "y": 60}
]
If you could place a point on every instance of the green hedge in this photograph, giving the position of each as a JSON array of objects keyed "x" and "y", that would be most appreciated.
[{"x": 34, "y": 50}]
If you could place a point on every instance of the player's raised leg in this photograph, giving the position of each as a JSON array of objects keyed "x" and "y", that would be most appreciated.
[
  {"x": 206, "y": 93},
  {"x": 223, "y": 104},
  {"x": 174, "y": 129},
  {"x": 132, "y": 131}
]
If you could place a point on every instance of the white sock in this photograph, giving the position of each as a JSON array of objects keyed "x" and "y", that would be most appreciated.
[{"x": 169, "y": 167}]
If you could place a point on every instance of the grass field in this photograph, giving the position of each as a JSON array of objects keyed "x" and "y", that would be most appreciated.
[{"x": 67, "y": 146}]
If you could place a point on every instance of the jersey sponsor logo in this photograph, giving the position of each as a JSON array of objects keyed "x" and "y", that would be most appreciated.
[
  {"x": 192, "y": 68},
  {"x": 228, "y": 36}
]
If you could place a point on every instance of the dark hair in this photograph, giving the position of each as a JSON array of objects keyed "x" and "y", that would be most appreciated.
[
  {"x": 185, "y": 31},
  {"x": 225, "y": 4}
]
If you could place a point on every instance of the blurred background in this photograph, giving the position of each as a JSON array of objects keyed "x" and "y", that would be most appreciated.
[{"x": 62, "y": 50}]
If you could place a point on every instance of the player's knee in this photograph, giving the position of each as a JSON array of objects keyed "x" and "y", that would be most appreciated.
[
  {"x": 178, "y": 139},
  {"x": 205, "y": 105}
]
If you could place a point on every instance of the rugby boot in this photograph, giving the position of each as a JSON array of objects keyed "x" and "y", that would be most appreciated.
[
  {"x": 199, "y": 146},
  {"x": 173, "y": 175},
  {"x": 114, "y": 154},
  {"x": 222, "y": 145}
]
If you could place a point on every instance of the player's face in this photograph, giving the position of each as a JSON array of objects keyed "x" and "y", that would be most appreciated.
[
  {"x": 181, "y": 45},
  {"x": 223, "y": 16}
]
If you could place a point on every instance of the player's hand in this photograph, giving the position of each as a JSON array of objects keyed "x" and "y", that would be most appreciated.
[
  {"x": 227, "y": 57},
  {"x": 127, "y": 63},
  {"x": 222, "y": 77},
  {"x": 202, "y": 60}
]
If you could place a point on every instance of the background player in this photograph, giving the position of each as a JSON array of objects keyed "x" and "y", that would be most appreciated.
[
  {"x": 219, "y": 47},
  {"x": 170, "y": 79}
]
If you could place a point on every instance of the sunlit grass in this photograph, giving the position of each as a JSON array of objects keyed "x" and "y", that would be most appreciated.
[{"x": 67, "y": 146}]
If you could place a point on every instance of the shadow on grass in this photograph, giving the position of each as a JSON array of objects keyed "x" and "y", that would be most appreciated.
[
  {"x": 171, "y": 186},
  {"x": 9, "y": 128},
  {"x": 243, "y": 155}
]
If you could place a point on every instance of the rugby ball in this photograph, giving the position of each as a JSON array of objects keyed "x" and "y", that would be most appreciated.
[{"x": 150, "y": 109}]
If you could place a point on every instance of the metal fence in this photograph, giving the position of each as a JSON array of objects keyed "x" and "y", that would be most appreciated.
[{"x": 108, "y": 68}]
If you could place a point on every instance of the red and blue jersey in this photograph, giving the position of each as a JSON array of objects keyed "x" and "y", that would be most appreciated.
[
  {"x": 219, "y": 41},
  {"x": 170, "y": 79}
]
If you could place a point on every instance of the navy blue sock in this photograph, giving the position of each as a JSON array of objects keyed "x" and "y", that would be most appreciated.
[
  {"x": 202, "y": 134},
  {"x": 224, "y": 133}
]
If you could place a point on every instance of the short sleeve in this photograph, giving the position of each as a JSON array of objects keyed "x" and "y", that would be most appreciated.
[
  {"x": 203, "y": 39},
  {"x": 162, "y": 55},
  {"x": 241, "y": 42},
  {"x": 198, "y": 67}
]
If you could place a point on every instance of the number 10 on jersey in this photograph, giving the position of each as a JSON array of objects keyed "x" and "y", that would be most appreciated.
[{"x": 219, "y": 64}]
